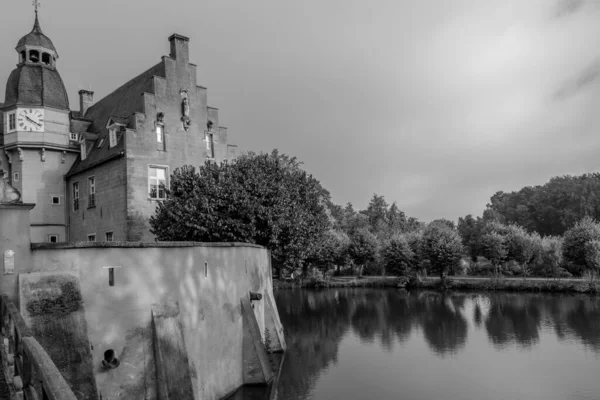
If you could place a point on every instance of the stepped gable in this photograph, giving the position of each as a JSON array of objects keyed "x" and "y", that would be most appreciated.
[{"x": 118, "y": 106}]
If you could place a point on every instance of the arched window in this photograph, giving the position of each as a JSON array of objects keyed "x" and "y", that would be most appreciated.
[
  {"x": 34, "y": 56},
  {"x": 23, "y": 56},
  {"x": 46, "y": 58}
]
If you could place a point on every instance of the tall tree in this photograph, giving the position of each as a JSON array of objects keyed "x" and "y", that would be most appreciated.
[
  {"x": 265, "y": 199},
  {"x": 442, "y": 247},
  {"x": 363, "y": 248},
  {"x": 575, "y": 241}
]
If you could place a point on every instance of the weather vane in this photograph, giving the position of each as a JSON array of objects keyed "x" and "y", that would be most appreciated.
[{"x": 36, "y": 4}]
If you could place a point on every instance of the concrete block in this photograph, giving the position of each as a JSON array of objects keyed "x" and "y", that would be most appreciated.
[
  {"x": 172, "y": 365},
  {"x": 273, "y": 324},
  {"x": 256, "y": 366}
]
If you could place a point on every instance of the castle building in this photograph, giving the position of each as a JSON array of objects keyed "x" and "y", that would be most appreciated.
[{"x": 97, "y": 173}]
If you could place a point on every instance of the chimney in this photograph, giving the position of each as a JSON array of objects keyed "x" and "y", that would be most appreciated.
[
  {"x": 86, "y": 98},
  {"x": 179, "y": 48}
]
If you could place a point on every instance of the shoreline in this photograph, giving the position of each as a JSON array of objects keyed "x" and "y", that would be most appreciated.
[{"x": 535, "y": 285}]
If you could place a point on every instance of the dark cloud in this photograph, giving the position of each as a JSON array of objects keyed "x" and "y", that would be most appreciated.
[
  {"x": 567, "y": 7},
  {"x": 582, "y": 80}
]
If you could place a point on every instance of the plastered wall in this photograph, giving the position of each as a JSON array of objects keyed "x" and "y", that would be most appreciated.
[{"x": 206, "y": 280}]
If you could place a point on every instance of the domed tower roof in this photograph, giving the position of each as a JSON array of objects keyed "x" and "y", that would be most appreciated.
[
  {"x": 37, "y": 38},
  {"x": 36, "y": 85},
  {"x": 36, "y": 81}
]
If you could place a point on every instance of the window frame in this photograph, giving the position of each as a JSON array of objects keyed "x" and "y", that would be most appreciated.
[
  {"x": 83, "y": 149},
  {"x": 52, "y": 197},
  {"x": 161, "y": 137},
  {"x": 112, "y": 137},
  {"x": 91, "y": 235},
  {"x": 210, "y": 144},
  {"x": 112, "y": 235},
  {"x": 50, "y": 236},
  {"x": 16, "y": 177},
  {"x": 75, "y": 191},
  {"x": 91, "y": 191},
  {"x": 11, "y": 117},
  {"x": 166, "y": 184}
]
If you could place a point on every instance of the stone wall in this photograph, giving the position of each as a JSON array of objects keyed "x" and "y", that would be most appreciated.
[
  {"x": 182, "y": 147},
  {"x": 206, "y": 282},
  {"x": 108, "y": 215}
]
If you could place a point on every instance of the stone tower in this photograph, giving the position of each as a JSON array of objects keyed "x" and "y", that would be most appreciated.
[{"x": 36, "y": 142}]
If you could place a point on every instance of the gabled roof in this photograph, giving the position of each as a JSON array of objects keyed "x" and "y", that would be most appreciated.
[
  {"x": 97, "y": 155},
  {"x": 123, "y": 121},
  {"x": 116, "y": 108}
]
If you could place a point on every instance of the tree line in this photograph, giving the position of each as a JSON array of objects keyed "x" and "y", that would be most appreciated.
[{"x": 268, "y": 199}]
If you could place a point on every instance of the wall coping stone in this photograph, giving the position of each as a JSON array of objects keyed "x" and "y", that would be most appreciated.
[
  {"x": 136, "y": 245},
  {"x": 16, "y": 206}
]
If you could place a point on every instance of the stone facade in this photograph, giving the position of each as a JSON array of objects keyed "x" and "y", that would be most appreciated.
[{"x": 151, "y": 125}]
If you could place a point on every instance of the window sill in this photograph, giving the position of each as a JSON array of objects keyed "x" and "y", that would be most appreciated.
[
  {"x": 151, "y": 199},
  {"x": 91, "y": 207}
]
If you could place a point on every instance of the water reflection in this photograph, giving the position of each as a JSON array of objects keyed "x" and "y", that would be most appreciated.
[{"x": 316, "y": 323}]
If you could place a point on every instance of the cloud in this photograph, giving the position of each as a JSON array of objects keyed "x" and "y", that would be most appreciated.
[
  {"x": 581, "y": 81},
  {"x": 565, "y": 8}
]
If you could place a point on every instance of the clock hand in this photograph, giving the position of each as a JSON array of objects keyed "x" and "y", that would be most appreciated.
[{"x": 37, "y": 123}]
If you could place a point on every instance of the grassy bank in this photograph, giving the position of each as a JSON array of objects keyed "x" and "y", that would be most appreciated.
[
  {"x": 342, "y": 281},
  {"x": 452, "y": 283}
]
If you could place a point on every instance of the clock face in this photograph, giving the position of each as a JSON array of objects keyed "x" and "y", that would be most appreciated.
[{"x": 30, "y": 119}]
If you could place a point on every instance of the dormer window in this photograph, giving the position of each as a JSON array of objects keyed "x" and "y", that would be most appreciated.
[
  {"x": 114, "y": 126},
  {"x": 34, "y": 56},
  {"x": 112, "y": 137}
]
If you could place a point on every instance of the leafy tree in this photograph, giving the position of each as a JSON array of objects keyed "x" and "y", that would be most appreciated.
[
  {"x": 592, "y": 257},
  {"x": 413, "y": 224},
  {"x": 493, "y": 246},
  {"x": 265, "y": 199},
  {"x": 552, "y": 257},
  {"x": 398, "y": 258},
  {"x": 446, "y": 222},
  {"x": 396, "y": 220},
  {"x": 331, "y": 251},
  {"x": 575, "y": 240},
  {"x": 469, "y": 230},
  {"x": 377, "y": 212},
  {"x": 523, "y": 247},
  {"x": 442, "y": 247},
  {"x": 363, "y": 248},
  {"x": 549, "y": 209}
]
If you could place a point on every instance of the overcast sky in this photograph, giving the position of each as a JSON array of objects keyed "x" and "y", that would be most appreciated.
[{"x": 436, "y": 104}]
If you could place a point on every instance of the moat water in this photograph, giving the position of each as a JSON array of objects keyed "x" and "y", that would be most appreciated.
[{"x": 388, "y": 344}]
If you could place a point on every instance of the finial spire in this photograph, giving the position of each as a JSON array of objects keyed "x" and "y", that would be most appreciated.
[{"x": 36, "y": 4}]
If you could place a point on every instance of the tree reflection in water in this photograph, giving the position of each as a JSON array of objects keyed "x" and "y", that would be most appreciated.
[{"x": 315, "y": 323}]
